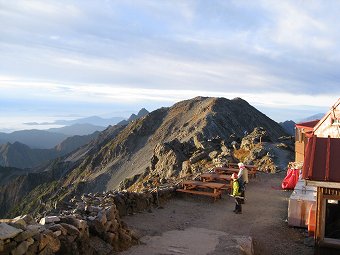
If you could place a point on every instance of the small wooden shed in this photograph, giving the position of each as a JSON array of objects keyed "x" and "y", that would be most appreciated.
[{"x": 303, "y": 131}]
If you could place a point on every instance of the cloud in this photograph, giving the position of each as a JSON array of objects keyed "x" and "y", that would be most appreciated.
[{"x": 268, "y": 52}]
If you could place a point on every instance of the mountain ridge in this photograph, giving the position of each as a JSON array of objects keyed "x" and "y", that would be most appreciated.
[{"x": 159, "y": 143}]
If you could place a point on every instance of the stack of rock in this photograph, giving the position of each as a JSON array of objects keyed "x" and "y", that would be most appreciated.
[
  {"x": 70, "y": 234},
  {"x": 90, "y": 224},
  {"x": 126, "y": 202},
  {"x": 23, "y": 235}
]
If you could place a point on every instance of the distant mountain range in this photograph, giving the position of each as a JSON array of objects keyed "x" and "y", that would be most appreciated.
[
  {"x": 289, "y": 125},
  {"x": 77, "y": 129},
  {"x": 49, "y": 138},
  {"x": 36, "y": 139},
  {"x": 94, "y": 120},
  {"x": 21, "y": 156},
  {"x": 157, "y": 144},
  {"x": 317, "y": 116},
  {"x": 31, "y": 148}
]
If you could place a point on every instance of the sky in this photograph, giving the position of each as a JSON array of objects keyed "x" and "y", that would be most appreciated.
[{"x": 67, "y": 59}]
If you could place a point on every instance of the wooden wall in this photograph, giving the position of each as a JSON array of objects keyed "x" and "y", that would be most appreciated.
[{"x": 330, "y": 126}]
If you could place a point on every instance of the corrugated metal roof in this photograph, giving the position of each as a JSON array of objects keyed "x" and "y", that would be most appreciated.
[
  {"x": 322, "y": 159},
  {"x": 307, "y": 125}
]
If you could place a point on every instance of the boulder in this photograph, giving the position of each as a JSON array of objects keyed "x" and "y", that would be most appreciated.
[
  {"x": 213, "y": 154},
  {"x": 102, "y": 217},
  {"x": 48, "y": 239},
  {"x": 258, "y": 135},
  {"x": 8, "y": 247},
  {"x": 256, "y": 153},
  {"x": 71, "y": 230},
  {"x": 27, "y": 218},
  {"x": 7, "y": 231},
  {"x": 33, "y": 249},
  {"x": 49, "y": 219},
  {"x": 100, "y": 246},
  {"x": 22, "y": 247},
  {"x": 72, "y": 220},
  {"x": 198, "y": 156},
  {"x": 58, "y": 227},
  {"x": 186, "y": 169},
  {"x": 28, "y": 233},
  {"x": 112, "y": 213}
]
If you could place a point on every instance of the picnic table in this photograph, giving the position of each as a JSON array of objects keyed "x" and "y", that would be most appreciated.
[
  {"x": 215, "y": 176},
  {"x": 225, "y": 178},
  {"x": 225, "y": 170},
  {"x": 212, "y": 189}
]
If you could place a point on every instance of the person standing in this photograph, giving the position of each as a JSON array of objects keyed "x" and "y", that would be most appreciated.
[
  {"x": 236, "y": 194},
  {"x": 242, "y": 178}
]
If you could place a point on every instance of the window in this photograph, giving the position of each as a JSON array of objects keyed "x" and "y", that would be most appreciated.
[{"x": 335, "y": 122}]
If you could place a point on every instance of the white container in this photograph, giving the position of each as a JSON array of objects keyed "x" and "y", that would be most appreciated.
[{"x": 298, "y": 207}]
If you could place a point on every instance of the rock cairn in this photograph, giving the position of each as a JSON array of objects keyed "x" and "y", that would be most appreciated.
[{"x": 90, "y": 224}]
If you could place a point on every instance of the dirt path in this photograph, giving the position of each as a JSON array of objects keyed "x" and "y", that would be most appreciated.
[{"x": 263, "y": 219}]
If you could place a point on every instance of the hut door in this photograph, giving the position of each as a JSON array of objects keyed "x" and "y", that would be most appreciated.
[{"x": 332, "y": 219}]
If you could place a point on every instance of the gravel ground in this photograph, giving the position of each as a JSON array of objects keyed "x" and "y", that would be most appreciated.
[{"x": 264, "y": 219}]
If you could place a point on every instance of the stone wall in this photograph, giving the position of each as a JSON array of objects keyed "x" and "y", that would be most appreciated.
[{"x": 90, "y": 224}]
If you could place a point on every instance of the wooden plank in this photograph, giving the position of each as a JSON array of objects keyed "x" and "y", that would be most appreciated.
[
  {"x": 197, "y": 192},
  {"x": 215, "y": 176},
  {"x": 330, "y": 242},
  {"x": 226, "y": 170},
  {"x": 334, "y": 185},
  {"x": 235, "y": 165},
  {"x": 227, "y": 187},
  {"x": 199, "y": 184}
]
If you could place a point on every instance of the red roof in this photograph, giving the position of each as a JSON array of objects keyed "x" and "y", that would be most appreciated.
[
  {"x": 309, "y": 126},
  {"x": 322, "y": 161}
]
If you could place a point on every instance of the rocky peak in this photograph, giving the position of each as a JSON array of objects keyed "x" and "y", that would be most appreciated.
[
  {"x": 142, "y": 112},
  {"x": 166, "y": 143}
]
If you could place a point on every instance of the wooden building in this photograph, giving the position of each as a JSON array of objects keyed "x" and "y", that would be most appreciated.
[
  {"x": 321, "y": 169},
  {"x": 302, "y": 132}
]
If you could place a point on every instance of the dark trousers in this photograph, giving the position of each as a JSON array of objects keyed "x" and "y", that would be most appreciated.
[
  {"x": 243, "y": 194},
  {"x": 238, "y": 206}
]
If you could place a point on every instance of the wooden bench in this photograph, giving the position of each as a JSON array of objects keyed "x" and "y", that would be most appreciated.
[
  {"x": 221, "y": 178},
  {"x": 204, "y": 193},
  {"x": 212, "y": 189},
  {"x": 215, "y": 176}
]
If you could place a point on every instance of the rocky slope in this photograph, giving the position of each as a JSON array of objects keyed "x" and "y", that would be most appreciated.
[
  {"x": 9, "y": 173},
  {"x": 165, "y": 144}
]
